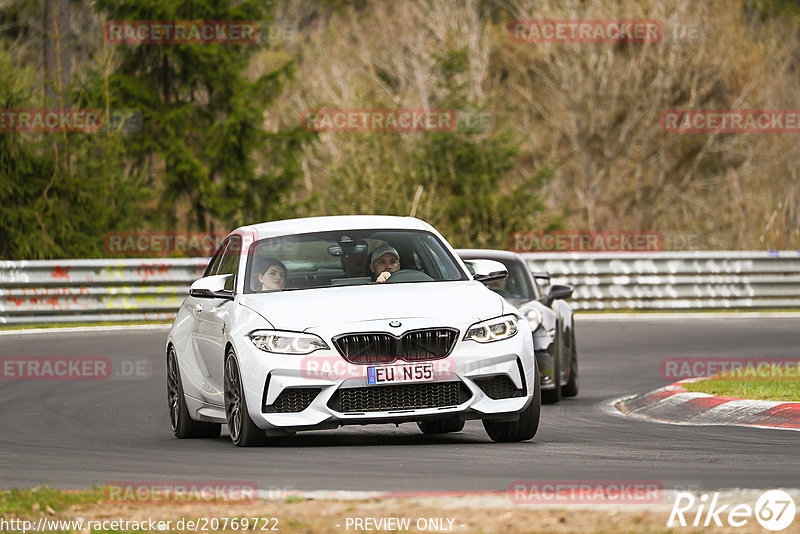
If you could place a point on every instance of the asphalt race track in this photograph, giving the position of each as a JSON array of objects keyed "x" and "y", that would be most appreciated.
[{"x": 75, "y": 434}]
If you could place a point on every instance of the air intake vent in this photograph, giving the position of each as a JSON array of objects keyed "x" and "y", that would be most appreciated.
[
  {"x": 499, "y": 387},
  {"x": 399, "y": 397},
  {"x": 293, "y": 400}
]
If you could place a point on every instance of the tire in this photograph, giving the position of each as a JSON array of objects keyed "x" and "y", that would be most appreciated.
[
  {"x": 571, "y": 387},
  {"x": 441, "y": 426},
  {"x": 242, "y": 429},
  {"x": 183, "y": 426},
  {"x": 553, "y": 396},
  {"x": 527, "y": 424}
]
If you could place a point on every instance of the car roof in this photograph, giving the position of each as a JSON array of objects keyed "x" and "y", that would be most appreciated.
[
  {"x": 476, "y": 253},
  {"x": 333, "y": 223}
]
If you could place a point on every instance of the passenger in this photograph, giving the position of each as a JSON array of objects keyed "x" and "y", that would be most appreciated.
[
  {"x": 385, "y": 260},
  {"x": 271, "y": 273}
]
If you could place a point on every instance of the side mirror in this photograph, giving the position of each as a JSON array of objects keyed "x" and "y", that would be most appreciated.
[
  {"x": 211, "y": 287},
  {"x": 558, "y": 291},
  {"x": 486, "y": 270}
]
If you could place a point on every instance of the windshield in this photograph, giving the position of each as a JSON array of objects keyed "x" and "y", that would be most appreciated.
[{"x": 344, "y": 258}]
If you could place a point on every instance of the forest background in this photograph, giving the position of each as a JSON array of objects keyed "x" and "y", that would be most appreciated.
[{"x": 548, "y": 137}]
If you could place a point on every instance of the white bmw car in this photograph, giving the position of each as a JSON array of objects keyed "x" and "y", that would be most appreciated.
[{"x": 314, "y": 323}]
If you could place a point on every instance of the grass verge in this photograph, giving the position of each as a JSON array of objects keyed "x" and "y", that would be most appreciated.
[
  {"x": 726, "y": 385},
  {"x": 27, "y": 502},
  {"x": 88, "y": 512}
]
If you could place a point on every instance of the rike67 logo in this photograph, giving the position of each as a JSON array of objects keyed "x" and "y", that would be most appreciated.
[{"x": 774, "y": 510}]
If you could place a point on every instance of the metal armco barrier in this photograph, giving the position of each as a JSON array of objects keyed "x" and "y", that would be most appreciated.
[
  {"x": 66, "y": 291},
  {"x": 61, "y": 291},
  {"x": 676, "y": 280}
]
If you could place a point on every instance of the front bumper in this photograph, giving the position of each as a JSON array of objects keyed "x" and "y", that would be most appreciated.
[
  {"x": 545, "y": 347},
  {"x": 287, "y": 394}
]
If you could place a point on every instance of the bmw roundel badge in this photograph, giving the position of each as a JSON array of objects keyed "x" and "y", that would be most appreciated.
[{"x": 395, "y": 324}]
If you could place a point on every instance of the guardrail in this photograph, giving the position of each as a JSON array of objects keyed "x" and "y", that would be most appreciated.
[
  {"x": 676, "y": 280},
  {"x": 62, "y": 291}
]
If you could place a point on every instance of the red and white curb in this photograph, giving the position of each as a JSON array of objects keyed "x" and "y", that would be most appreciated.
[{"x": 673, "y": 404}]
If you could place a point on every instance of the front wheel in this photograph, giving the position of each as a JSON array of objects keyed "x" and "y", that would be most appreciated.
[
  {"x": 183, "y": 426},
  {"x": 243, "y": 431},
  {"x": 527, "y": 424}
]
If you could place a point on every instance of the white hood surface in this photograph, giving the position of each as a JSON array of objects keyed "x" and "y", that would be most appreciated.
[{"x": 303, "y": 309}]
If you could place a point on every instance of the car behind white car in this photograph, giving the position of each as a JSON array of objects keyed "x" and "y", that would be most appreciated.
[{"x": 291, "y": 329}]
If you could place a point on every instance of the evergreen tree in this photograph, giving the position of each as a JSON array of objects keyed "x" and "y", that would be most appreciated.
[{"x": 203, "y": 139}]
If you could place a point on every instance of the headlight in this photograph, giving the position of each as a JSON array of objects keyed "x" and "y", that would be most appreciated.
[
  {"x": 286, "y": 342},
  {"x": 534, "y": 317},
  {"x": 493, "y": 330}
]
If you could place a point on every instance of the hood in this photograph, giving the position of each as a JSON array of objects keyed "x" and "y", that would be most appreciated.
[{"x": 308, "y": 308}]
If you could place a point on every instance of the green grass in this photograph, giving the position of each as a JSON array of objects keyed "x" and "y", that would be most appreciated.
[
  {"x": 776, "y": 389},
  {"x": 23, "y": 502},
  {"x": 33, "y": 502}
]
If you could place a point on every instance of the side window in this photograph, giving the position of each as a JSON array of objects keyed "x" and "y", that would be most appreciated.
[
  {"x": 230, "y": 261},
  {"x": 213, "y": 265}
]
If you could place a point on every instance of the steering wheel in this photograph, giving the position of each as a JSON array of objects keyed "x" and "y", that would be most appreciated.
[{"x": 408, "y": 275}]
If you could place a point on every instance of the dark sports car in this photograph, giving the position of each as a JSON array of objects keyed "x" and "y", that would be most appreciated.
[{"x": 549, "y": 315}]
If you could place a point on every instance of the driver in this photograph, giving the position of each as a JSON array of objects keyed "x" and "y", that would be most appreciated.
[{"x": 384, "y": 260}]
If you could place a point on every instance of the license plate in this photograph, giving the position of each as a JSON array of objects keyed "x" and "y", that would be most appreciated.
[{"x": 391, "y": 374}]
